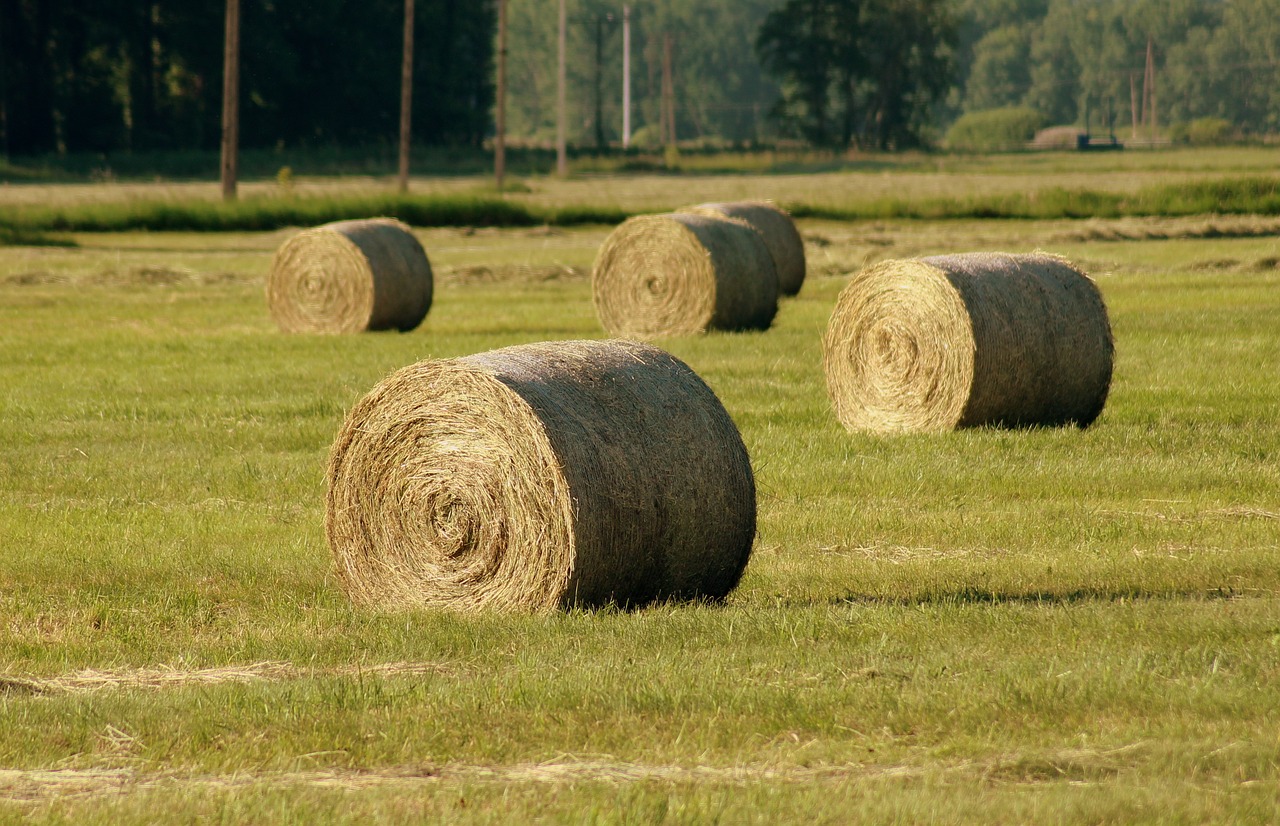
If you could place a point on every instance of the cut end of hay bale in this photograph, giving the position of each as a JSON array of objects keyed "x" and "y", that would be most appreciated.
[
  {"x": 350, "y": 277},
  {"x": 538, "y": 477},
  {"x": 951, "y": 341},
  {"x": 778, "y": 230},
  {"x": 680, "y": 274}
]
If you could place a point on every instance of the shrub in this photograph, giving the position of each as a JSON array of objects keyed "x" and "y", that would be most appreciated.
[
  {"x": 994, "y": 130},
  {"x": 1204, "y": 132}
]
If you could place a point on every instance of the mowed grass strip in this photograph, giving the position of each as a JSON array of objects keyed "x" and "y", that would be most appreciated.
[
  {"x": 1034, "y": 624},
  {"x": 1232, "y": 196}
]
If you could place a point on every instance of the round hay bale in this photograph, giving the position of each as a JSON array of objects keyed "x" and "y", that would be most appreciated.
[
  {"x": 667, "y": 275},
  {"x": 952, "y": 341},
  {"x": 350, "y": 277},
  {"x": 778, "y": 231},
  {"x": 541, "y": 476}
]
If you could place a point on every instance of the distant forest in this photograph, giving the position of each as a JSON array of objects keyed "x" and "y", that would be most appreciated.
[
  {"x": 89, "y": 76},
  {"x": 138, "y": 75}
]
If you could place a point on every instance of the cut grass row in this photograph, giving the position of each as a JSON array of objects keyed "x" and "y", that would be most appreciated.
[{"x": 1257, "y": 195}]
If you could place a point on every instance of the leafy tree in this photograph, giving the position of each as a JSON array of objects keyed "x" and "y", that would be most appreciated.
[
  {"x": 1001, "y": 71},
  {"x": 859, "y": 71},
  {"x": 1246, "y": 57},
  {"x": 796, "y": 45}
]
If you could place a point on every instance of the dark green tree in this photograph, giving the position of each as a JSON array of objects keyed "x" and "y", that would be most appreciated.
[
  {"x": 1000, "y": 73},
  {"x": 88, "y": 76},
  {"x": 796, "y": 46},
  {"x": 859, "y": 72}
]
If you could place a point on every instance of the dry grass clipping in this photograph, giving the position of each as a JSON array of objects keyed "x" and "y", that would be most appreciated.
[
  {"x": 778, "y": 231},
  {"x": 663, "y": 275},
  {"x": 350, "y": 277},
  {"x": 157, "y": 679},
  {"x": 542, "y": 476},
  {"x": 934, "y": 344}
]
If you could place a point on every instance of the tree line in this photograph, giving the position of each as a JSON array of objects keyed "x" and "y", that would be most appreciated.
[
  {"x": 92, "y": 76},
  {"x": 1069, "y": 59},
  {"x": 86, "y": 76}
]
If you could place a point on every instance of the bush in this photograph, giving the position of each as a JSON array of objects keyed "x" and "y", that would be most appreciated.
[
  {"x": 647, "y": 137},
  {"x": 994, "y": 130},
  {"x": 1204, "y": 132}
]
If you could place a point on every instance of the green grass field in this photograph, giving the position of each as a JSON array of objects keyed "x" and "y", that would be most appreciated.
[{"x": 1049, "y": 626}]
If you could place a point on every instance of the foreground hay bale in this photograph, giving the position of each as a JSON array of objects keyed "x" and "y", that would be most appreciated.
[
  {"x": 540, "y": 476},
  {"x": 349, "y": 277},
  {"x": 966, "y": 340},
  {"x": 666, "y": 275},
  {"x": 779, "y": 232}
]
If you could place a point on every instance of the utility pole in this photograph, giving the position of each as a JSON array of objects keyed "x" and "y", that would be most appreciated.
[
  {"x": 1148, "y": 93},
  {"x": 668, "y": 93},
  {"x": 562, "y": 154},
  {"x": 231, "y": 101},
  {"x": 406, "y": 96},
  {"x": 500, "y": 136},
  {"x": 1155, "y": 120},
  {"x": 4, "y": 100},
  {"x": 599, "y": 99},
  {"x": 626, "y": 77},
  {"x": 1133, "y": 102}
]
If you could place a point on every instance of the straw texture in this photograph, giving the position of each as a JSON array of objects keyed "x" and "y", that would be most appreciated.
[
  {"x": 952, "y": 341},
  {"x": 537, "y": 477},
  {"x": 779, "y": 232},
  {"x": 350, "y": 277},
  {"x": 666, "y": 275}
]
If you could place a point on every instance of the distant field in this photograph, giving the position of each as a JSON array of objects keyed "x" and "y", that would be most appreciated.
[
  {"x": 799, "y": 180},
  {"x": 986, "y": 626}
]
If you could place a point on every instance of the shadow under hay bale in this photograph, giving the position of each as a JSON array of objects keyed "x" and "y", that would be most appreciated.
[
  {"x": 779, "y": 232},
  {"x": 350, "y": 277},
  {"x": 678, "y": 274},
  {"x": 541, "y": 476},
  {"x": 934, "y": 344}
]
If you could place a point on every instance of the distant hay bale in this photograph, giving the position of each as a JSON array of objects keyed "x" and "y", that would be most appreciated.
[
  {"x": 667, "y": 275},
  {"x": 350, "y": 277},
  {"x": 778, "y": 231},
  {"x": 952, "y": 341},
  {"x": 540, "y": 476},
  {"x": 1056, "y": 137}
]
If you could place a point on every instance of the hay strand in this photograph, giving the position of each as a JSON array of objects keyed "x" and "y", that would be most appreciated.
[
  {"x": 540, "y": 476},
  {"x": 350, "y": 277},
  {"x": 779, "y": 232},
  {"x": 934, "y": 344},
  {"x": 678, "y": 274}
]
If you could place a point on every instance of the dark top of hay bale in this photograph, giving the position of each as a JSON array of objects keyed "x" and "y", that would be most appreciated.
[
  {"x": 968, "y": 340},
  {"x": 778, "y": 231},
  {"x": 658, "y": 275},
  {"x": 349, "y": 277},
  {"x": 540, "y": 476}
]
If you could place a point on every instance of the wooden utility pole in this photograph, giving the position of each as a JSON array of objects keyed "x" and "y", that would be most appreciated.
[
  {"x": 562, "y": 153},
  {"x": 231, "y": 101},
  {"x": 1155, "y": 120},
  {"x": 599, "y": 97},
  {"x": 4, "y": 100},
  {"x": 668, "y": 93},
  {"x": 1148, "y": 93},
  {"x": 626, "y": 76},
  {"x": 500, "y": 131},
  {"x": 406, "y": 96},
  {"x": 1133, "y": 103}
]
